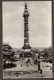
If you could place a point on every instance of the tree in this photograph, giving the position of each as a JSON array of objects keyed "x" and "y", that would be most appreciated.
[
  {"x": 8, "y": 54},
  {"x": 7, "y": 51}
]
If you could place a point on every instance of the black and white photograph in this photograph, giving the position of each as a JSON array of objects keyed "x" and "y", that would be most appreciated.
[{"x": 27, "y": 39}]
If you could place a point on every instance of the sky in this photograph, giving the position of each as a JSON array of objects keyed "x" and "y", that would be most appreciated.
[{"x": 39, "y": 23}]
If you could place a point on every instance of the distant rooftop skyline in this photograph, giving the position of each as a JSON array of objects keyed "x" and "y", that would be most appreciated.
[{"x": 40, "y": 23}]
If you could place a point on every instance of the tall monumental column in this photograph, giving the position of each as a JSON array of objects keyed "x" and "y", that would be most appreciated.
[{"x": 26, "y": 47}]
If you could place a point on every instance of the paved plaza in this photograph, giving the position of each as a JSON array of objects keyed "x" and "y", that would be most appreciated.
[{"x": 30, "y": 72}]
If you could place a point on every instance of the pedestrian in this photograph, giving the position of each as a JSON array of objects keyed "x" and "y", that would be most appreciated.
[
  {"x": 41, "y": 71},
  {"x": 38, "y": 65},
  {"x": 28, "y": 62}
]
